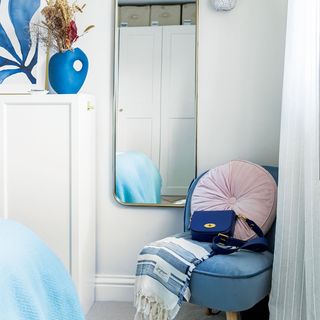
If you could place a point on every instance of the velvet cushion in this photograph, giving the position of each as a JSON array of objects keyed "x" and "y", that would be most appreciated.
[{"x": 242, "y": 186}]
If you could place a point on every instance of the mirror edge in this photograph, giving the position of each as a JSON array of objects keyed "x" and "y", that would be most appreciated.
[{"x": 114, "y": 109}]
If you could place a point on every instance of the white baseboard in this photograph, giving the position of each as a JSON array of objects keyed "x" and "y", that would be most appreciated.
[{"x": 114, "y": 287}]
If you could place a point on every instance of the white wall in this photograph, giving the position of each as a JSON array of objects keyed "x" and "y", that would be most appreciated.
[
  {"x": 240, "y": 82},
  {"x": 240, "y": 74}
]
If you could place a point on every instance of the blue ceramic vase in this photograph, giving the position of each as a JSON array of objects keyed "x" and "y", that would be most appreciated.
[{"x": 63, "y": 77}]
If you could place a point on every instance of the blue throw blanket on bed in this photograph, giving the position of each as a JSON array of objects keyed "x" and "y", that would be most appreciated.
[
  {"x": 34, "y": 284},
  {"x": 137, "y": 178}
]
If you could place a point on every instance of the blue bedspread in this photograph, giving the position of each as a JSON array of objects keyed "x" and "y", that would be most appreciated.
[
  {"x": 137, "y": 178},
  {"x": 34, "y": 284}
]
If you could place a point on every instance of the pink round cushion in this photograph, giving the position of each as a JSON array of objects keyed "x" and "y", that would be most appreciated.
[{"x": 242, "y": 186}]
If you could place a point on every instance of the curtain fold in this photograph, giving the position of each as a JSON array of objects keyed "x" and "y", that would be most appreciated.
[{"x": 295, "y": 290}]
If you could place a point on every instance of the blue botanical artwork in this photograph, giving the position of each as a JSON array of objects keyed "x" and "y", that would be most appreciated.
[{"x": 18, "y": 52}]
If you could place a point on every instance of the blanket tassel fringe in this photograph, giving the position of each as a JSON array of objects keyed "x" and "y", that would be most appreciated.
[{"x": 149, "y": 308}]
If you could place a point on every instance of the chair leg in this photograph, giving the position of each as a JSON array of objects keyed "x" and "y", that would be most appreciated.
[
  {"x": 212, "y": 312},
  {"x": 233, "y": 316},
  {"x": 208, "y": 312}
]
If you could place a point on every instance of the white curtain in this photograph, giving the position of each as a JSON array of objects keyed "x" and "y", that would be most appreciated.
[{"x": 295, "y": 290}]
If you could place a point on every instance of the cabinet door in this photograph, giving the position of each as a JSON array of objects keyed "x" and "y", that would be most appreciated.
[
  {"x": 35, "y": 171},
  {"x": 178, "y": 109},
  {"x": 84, "y": 202},
  {"x": 138, "y": 114}
]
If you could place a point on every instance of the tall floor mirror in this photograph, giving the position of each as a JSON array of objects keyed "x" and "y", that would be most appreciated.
[{"x": 155, "y": 101}]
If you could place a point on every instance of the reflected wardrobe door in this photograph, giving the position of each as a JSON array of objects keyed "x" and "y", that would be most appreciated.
[
  {"x": 138, "y": 114},
  {"x": 178, "y": 108}
]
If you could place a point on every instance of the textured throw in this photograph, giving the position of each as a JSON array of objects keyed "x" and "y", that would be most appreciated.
[
  {"x": 163, "y": 275},
  {"x": 137, "y": 178},
  {"x": 34, "y": 284}
]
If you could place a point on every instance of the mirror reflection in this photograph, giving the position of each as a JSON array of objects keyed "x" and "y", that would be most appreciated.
[{"x": 155, "y": 107}]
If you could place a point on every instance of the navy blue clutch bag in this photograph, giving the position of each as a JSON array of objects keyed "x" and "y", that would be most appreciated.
[{"x": 207, "y": 224}]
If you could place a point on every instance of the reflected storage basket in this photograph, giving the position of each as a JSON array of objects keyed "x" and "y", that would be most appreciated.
[
  {"x": 189, "y": 13},
  {"x": 166, "y": 15},
  {"x": 134, "y": 16}
]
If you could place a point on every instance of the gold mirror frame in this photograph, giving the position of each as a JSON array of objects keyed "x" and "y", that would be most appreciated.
[{"x": 114, "y": 110}]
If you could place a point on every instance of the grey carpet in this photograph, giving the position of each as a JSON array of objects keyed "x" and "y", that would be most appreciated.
[{"x": 125, "y": 311}]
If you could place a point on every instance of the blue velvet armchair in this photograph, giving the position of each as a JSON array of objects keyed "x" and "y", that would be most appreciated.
[{"x": 236, "y": 282}]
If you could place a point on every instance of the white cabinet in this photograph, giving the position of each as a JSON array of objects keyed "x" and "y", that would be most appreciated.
[
  {"x": 47, "y": 177},
  {"x": 156, "y": 100}
]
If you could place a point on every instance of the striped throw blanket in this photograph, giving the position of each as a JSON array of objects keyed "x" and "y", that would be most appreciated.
[{"x": 163, "y": 275}]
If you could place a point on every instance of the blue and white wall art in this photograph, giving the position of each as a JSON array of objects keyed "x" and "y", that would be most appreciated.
[{"x": 22, "y": 62}]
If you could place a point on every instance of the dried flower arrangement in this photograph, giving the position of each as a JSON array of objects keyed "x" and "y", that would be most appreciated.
[{"x": 59, "y": 29}]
